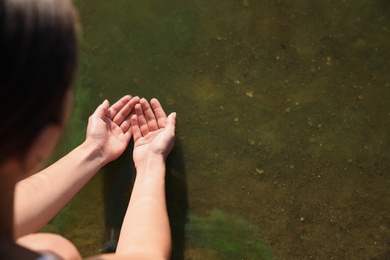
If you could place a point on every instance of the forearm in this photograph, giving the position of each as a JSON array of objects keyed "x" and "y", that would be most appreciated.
[
  {"x": 145, "y": 229},
  {"x": 41, "y": 196}
]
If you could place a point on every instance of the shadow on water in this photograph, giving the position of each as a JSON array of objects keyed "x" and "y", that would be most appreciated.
[
  {"x": 177, "y": 199},
  {"x": 118, "y": 185}
]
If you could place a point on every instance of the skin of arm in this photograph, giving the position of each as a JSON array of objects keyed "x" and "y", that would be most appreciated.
[
  {"x": 41, "y": 196},
  {"x": 145, "y": 232}
]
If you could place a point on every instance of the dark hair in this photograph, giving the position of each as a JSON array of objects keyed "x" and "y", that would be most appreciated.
[{"x": 38, "y": 61}]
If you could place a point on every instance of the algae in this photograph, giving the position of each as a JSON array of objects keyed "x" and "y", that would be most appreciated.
[{"x": 230, "y": 237}]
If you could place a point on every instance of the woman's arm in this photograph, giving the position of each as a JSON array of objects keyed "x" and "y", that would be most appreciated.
[
  {"x": 40, "y": 197},
  {"x": 145, "y": 231}
]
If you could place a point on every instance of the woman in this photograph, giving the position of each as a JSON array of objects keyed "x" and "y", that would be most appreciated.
[{"x": 38, "y": 60}]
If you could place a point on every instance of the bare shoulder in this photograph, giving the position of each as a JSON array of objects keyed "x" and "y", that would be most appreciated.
[
  {"x": 132, "y": 256},
  {"x": 52, "y": 243}
]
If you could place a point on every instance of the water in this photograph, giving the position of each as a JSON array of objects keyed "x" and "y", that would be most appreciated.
[{"x": 283, "y": 119}]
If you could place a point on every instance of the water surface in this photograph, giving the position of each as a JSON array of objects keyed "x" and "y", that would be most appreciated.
[{"x": 283, "y": 119}]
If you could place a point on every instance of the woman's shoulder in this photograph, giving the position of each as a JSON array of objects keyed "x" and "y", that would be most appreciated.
[{"x": 49, "y": 246}]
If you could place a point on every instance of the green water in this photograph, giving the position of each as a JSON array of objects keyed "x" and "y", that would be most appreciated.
[{"x": 283, "y": 123}]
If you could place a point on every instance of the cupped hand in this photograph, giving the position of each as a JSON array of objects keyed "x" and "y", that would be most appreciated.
[
  {"x": 109, "y": 127},
  {"x": 153, "y": 131}
]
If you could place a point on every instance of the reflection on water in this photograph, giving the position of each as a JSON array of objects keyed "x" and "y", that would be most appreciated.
[{"x": 283, "y": 117}]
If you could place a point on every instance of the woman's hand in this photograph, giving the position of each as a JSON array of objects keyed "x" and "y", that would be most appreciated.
[
  {"x": 41, "y": 196},
  {"x": 109, "y": 127},
  {"x": 153, "y": 132}
]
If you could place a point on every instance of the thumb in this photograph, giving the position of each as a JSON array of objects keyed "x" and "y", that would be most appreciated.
[
  {"x": 102, "y": 110},
  {"x": 170, "y": 133},
  {"x": 171, "y": 122}
]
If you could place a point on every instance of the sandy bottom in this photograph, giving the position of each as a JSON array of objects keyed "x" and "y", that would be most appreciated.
[{"x": 283, "y": 123}]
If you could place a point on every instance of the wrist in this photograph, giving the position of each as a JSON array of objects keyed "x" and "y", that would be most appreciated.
[
  {"x": 93, "y": 153},
  {"x": 151, "y": 167}
]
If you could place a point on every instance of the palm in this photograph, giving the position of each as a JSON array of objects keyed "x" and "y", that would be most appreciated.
[
  {"x": 152, "y": 143},
  {"x": 109, "y": 137},
  {"x": 153, "y": 135},
  {"x": 109, "y": 127}
]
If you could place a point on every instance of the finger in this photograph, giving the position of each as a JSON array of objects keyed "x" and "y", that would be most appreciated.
[
  {"x": 171, "y": 123},
  {"x": 149, "y": 115},
  {"x": 158, "y": 112},
  {"x": 169, "y": 132},
  {"x": 135, "y": 128},
  {"x": 142, "y": 123},
  {"x": 101, "y": 110},
  {"x": 128, "y": 134},
  {"x": 126, "y": 124},
  {"x": 114, "y": 109},
  {"x": 122, "y": 118}
]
